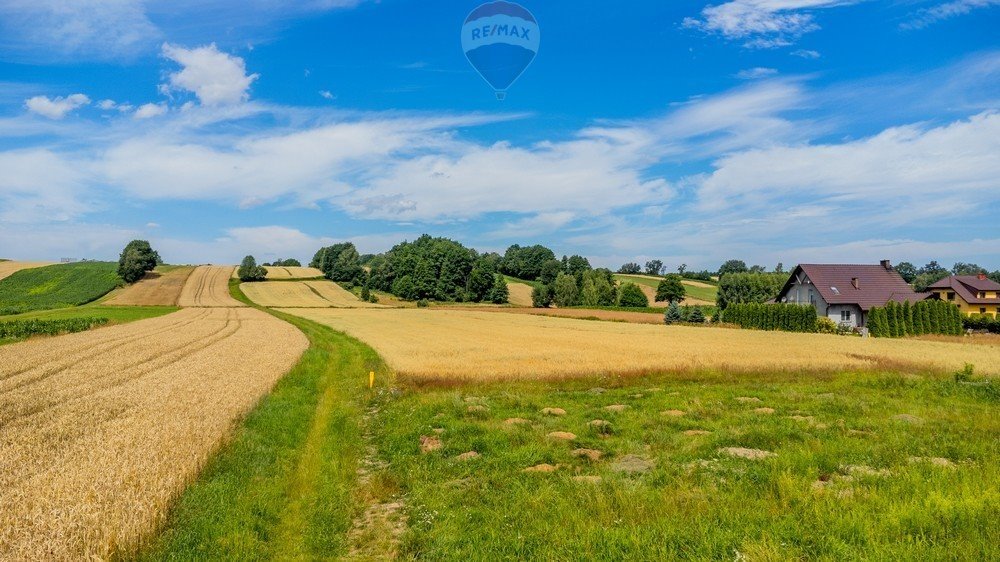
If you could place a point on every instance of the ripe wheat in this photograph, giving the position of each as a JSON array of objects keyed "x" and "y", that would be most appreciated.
[
  {"x": 156, "y": 289},
  {"x": 208, "y": 286},
  {"x": 478, "y": 345},
  {"x": 101, "y": 430}
]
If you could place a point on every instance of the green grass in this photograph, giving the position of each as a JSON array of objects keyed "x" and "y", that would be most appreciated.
[
  {"x": 700, "y": 293},
  {"x": 698, "y": 503},
  {"x": 532, "y": 284},
  {"x": 114, "y": 314},
  {"x": 57, "y": 286},
  {"x": 285, "y": 487}
]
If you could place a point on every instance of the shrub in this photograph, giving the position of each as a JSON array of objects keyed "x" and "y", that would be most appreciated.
[
  {"x": 631, "y": 296},
  {"x": 250, "y": 272},
  {"x": 697, "y": 316},
  {"x": 784, "y": 317},
  {"x": 673, "y": 314},
  {"x": 499, "y": 293},
  {"x": 366, "y": 293},
  {"x": 541, "y": 297},
  {"x": 422, "y": 303},
  {"x": 896, "y": 320},
  {"x": 826, "y": 326}
]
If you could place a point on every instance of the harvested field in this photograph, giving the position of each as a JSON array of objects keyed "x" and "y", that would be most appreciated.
[
  {"x": 444, "y": 345},
  {"x": 101, "y": 430},
  {"x": 520, "y": 294},
  {"x": 284, "y": 294},
  {"x": 8, "y": 268},
  {"x": 155, "y": 289},
  {"x": 292, "y": 272},
  {"x": 339, "y": 296},
  {"x": 208, "y": 286},
  {"x": 304, "y": 294}
]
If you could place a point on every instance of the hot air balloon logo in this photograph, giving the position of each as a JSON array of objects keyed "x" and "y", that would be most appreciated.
[{"x": 500, "y": 39}]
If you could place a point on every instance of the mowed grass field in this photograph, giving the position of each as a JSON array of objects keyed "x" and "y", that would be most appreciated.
[
  {"x": 57, "y": 286},
  {"x": 442, "y": 346}
]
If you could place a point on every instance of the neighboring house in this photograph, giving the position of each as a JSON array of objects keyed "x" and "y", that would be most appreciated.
[
  {"x": 845, "y": 293},
  {"x": 974, "y": 294}
]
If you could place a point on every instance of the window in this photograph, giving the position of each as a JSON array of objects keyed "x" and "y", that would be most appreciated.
[
  {"x": 835, "y": 290},
  {"x": 845, "y": 315},
  {"x": 951, "y": 296},
  {"x": 982, "y": 310}
]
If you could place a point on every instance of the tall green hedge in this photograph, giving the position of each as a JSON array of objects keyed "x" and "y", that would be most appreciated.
[
  {"x": 760, "y": 316},
  {"x": 896, "y": 320}
]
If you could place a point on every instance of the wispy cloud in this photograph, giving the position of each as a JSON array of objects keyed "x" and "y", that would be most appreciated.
[
  {"x": 944, "y": 11},
  {"x": 762, "y": 24},
  {"x": 756, "y": 73}
]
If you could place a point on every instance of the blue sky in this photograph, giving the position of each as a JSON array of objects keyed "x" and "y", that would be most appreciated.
[{"x": 767, "y": 130}]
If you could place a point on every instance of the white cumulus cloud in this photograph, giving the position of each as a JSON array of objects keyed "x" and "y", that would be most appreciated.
[
  {"x": 149, "y": 110},
  {"x": 56, "y": 108},
  {"x": 216, "y": 78}
]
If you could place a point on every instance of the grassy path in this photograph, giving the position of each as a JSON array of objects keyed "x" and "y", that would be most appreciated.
[{"x": 284, "y": 488}]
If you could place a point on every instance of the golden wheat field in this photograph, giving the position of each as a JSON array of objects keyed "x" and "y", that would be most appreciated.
[
  {"x": 519, "y": 294},
  {"x": 441, "y": 345},
  {"x": 8, "y": 268},
  {"x": 339, "y": 296},
  {"x": 155, "y": 289},
  {"x": 292, "y": 272},
  {"x": 101, "y": 430},
  {"x": 208, "y": 286},
  {"x": 301, "y": 294}
]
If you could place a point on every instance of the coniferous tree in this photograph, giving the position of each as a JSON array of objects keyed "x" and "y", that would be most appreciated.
[{"x": 673, "y": 314}]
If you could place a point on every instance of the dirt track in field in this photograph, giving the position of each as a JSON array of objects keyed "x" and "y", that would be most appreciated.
[
  {"x": 101, "y": 430},
  {"x": 155, "y": 289},
  {"x": 8, "y": 268},
  {"x": 208, "y": 286}
]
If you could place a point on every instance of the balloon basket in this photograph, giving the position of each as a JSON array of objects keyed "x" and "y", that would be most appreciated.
[{"x": 501, "y": 96}]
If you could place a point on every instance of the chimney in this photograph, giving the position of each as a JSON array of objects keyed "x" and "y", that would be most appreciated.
[
  {"x": 855, "y": 282},
  {"x": 886, "y": 264},
  {"x": 982, "y": 277}
]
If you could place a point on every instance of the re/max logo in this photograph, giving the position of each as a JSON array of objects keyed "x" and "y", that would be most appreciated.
[{"x": 501, "y": 30}]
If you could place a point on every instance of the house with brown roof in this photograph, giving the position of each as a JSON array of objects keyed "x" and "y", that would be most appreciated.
[
  {"x": 974, "y": 294},
  {"x": 845, "y": 293}
]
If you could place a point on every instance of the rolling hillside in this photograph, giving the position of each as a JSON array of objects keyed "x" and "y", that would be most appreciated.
[
  {"x": 698, "y": 292},
  {"x": 57, "y": 286}
]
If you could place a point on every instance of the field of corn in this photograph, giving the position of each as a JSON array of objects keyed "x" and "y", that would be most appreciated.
[
  {"x": 456, "y": 345},
  {"x": 56, "y": 286}
]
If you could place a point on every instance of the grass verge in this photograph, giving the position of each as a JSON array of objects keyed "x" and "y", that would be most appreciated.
[{"x": 285, "y": 486}]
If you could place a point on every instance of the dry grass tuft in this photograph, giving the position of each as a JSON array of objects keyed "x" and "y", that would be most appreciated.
[
  {"x": 208, "y": 286},
  {"x": 438, "y": 346},
  {"x": 155, "y": 289},
  {"x": 100, "y": 431}
]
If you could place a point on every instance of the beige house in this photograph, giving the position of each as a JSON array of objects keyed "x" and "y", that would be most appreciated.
[{"x": 974, "y": 294}]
